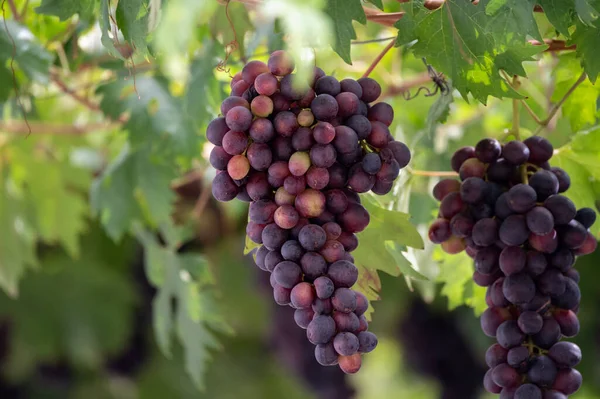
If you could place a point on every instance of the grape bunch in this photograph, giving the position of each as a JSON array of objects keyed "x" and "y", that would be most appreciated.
[
  {"x": 301, "y": 154},
  {"x": 507, "y": 212}
]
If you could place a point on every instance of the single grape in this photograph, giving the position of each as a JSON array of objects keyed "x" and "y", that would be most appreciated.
[
  {"x": 586, "y": 216},
  {"x": 224, "y": 188},
  {"x": 567, "y": 381},
  {"x": 332, "y": 251},
  {"x": 488, "y": 150},
  {"x": 518, "y": 288},
  {"x": 348, "y": 104},
  {"x": 219, "y": 158},
  {"x": 292, "y": 251},
  {"x": 312, "y": 237},
  {"x": 473, "y": 190},
  {"x": 352, "y": 86},
  {"x": 545, "y": 184},
  {"x": 346, "y": 343},
  {"x": 570, "y": 298},
  {"x": 546, "y": 243},
  {"x": 262, "y": 106},
  {"x": 518, "y": 357},
  {"x": 303, "y": 140},
  {"x": 563, "y": 259},
  {"x": 572, "y": 235},
  {"x": 344, "y": 300},
  {"x": 380, "y": 135},
  {"x": 521, "y": 198},
  {"x": 281, "y": 295},
  {"x": 326, "y": 354},
  {"x": 515, "y": 152},
  {"x": 303, "y": 317},
  {"x": 542, "y": 371},
  {"x": 472, "y": 167},
  {"x": 320, "y": 330},
  {"x": 324, "y": 287},
  {"x": 359, "y": 180},
  {"x": 371, "y": 163},
  {"x": 505, "y": 376},
  {"x": 460, "y": 156},
  {"x": 589, "y": 246},
  {"x": 489, "y": 384},
  {"x": 495, "y": 355},
  {"x": 322, "y": 306},
  {"x": 540, "y": 149},
  {"x": 272, "y": 259},
  {"x": 360, "y": 124},
  {"x": 528, "y": 391},
  {"x": 239, "y": 118},
  {"x": 323, "y": 156},
  {"x": 285, "y": 123},
  {"x": 485, "y": 231},
  {"x": 327, "y": 85},
  {"x": 565, "y": 354},
  {"x": 401, "y": 152},
  {"x": 324, "y": 107},
  {"x": 306, "y": 118},
  {"x": 302, "y": 296},
  {"x": 502, "y": 171},
  {"x": 350, "y": 364},
  {"x": 216, "y": 130},
  {"x": 445, "y": 187},
  {"x": 346, "y": 140},
  {"x": 349, "y": 241},
  {"x": 530, "y": 322},
  {"x": 262, "y": 211},
  {"x": 512, "y": 260},
  {"x": 454, "y": 245},
  {"x": 254, "y": 232},
  {"x": 367, "y": 342},
  {"x": 260, "y": 255},
  {"x": 564, "y": 180},
  {"x": 281, "y": 63},
  {"x": 440, "y": 231},
  {"x": 548, "y": 335},
  {"x": 355, "y": 219},
  {"x": 389, "y": 171},
  {"x": 238, "y": 167},
  {"x": 343, "y": 273},
  {"x": 509, "y": 335},
  {"x": 260, "y": 156},
  {"x": 234, "y": 101},
  {"x": 513, "y": 230},
  {"x": 501, "y": 208},
  {"x": 235, "y": 143},
  {"x": 540, "y": 220},
  {"x": 562, "y": 208},
  {"x": 371, "y": 89}
]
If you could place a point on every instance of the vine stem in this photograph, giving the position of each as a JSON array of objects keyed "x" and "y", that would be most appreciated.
[
  {"x": 13, "y": 10},
  {"x": 378, "y": 58},
  {"x": 432, "y": 173},
  {"x": 516, "y": 123},
  {"x": 559, "y": 104}
]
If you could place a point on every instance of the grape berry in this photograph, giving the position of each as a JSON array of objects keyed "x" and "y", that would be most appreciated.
[
  {"x": 300, "y": 155},
  {"x": 509, "y": 214}
]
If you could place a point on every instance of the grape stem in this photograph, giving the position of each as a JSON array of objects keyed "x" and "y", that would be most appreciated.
[
  {"x": 431, "y": 173},
  {"x": 515, "y": 105},
  {"x": 13, "y": 10},
  {"x": 378, "y": 58}
]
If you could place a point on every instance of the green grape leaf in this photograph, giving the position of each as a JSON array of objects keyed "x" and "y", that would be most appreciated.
[
  {"x": 513, "y": 19},
  {"x": 586, "y": 12},
  {"x": 380, "y": 248},
  {"x": 70, "y": 321},
  {"x": 456, "y": 277},
  {"x": 342, "y": 13},
  {"x": 17, "y": 238},
  {"x": 203, "y": 93},
  {"x": 221, "y": 27},
  {"x": 65, "y": 9},
  {"x": 587, "y": 39},
  {"x": 377, "y": 3},
  {"x": 439, "y": 111},
  {"x": 106, "y": 29},
  {"x": 580, "y": 107},
  {"x": 187, "y": 279},
  {"x": 465, "y": 43},
  {"x": 581, "y": 160},
  {"x": 559, "y": 13},
  {"x": 30, "y": 56},
  {"x": 156, "y": 116},
  {"x": 113, "y": 194},
  {"x": 512, "y": 59},
  {"x": 132, "y": 19}
]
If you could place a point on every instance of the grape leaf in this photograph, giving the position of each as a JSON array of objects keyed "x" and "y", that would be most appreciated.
[
  {"x": 221, "y": 27},
  {"x": 156, "y": 116},
  {"x": 377, "y": 3},
  {"x": 513, "y": 19},
  {"x": 581, "y": 160},
  {"x": 106, "y": 29},
  {"x": 439, "y": 111},
  {"x": 375, "y": 253},
  {"x": 580, "y": 107},
  {"x": 113, "y": 194},
  {"x": 17, "y": 241},
  {"x": 58, "y": 314},
  {"x": 587, "y": 39},
  {"x": 65, "y": 9},
  {"x": 31, "y": 57},
  {"x": 586, "y": 12},
  {"x": 459, "y": 40},
  {"x": 132, "y": 19},
  {"x": 187, "y": 279},
  {"x": 342, "y": 13},
  {"x": 559, "y": 13}
]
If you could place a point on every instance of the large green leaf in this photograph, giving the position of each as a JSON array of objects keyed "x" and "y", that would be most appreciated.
[
  {"x": 342, "y": 13},
  {"x": 132, "y": 18},
  {"x": 587, "y": 39},
  {"x": 18, "y": 43},
  {"x": 65, "y": 9},
  {"x": 470, "y": 45},
  {"x": 560, "y": 13},
  {"x": 186, "y": 279}
]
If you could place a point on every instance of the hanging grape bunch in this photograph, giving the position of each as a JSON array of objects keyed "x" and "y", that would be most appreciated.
[
  {"x": 508, "y": 213},
  {"x": 301, "y": 157}
]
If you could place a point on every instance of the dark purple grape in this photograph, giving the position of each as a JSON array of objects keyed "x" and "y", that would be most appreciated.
[
  {"x": 488, "y": 150},
  {"x": 360, "y": 124},
  {"x": 216, "y": 131},
  {"x": 495, "y": 355},
  {"x": 548, "y": 335},
  {"x": 327, "y": 85},
  {"x": 509, "y": 335},
  {"x": 260, "y": 156},
  {"x": 367, "y": 341},
  {"x": 235, "y": 143},
  {"x": 401, "y": 152},
  {"x": 324, "y": 107},
  {"x": 352, "y": 86},
  {"x": 586, "y": 216},
  {"x": 552, "y": 283},
  {"x": 272, "y": 259},
  {"x": 323, "y": 156},
  {"x": 281, "y": 63},
  {"x": 322, "y": 306},
  {"x": 260, "y": 255},
  {"x": 320, "y": 330},
  {"x": 302, "y": 140},
  {"x": 515, "y": 152},
  {"x": 489, "y": 384},
  {"x": 530, "y": 322},
  {"x": 460, "y": 156},
  {"x": 502, "y": 172},
  {"x": 485, "y": 231},
  {"x": 521, "y": 198},
  {"x": 540, "y": 220},
  {"x": 355, "y": 219},
  {"x": 486, "y": 260},
  {"x": 285, "y": 123},
  {"x": 348, "y": 104},
  {"x": 462, "y": 225},
  {"x": 344, "y": 300},
  {"x": 573, "y": 235},
  {"x": 371, "y": 89},
  {"x": 359, "y": 180},
  {"x": 324, "y": 287},
  {"x": 562, "y": 208},
  {"x": 371, "y": 163},
  {"x": 565, "y": 354},
  {"x": 564, "y": 180},
  {"x": 292, "y": 250},
  {"x": 273, "y": 237},
  {"x": 346, "y": 343},
  {"x": 239, "y": 118},
  {"x": 380, "y": 135},
  {"x": 513, "y": 230},
  {"x": 570, "y": 298},
  {"x": 287, "y": 274},
  {"x": 303, "y": 317},
  {"x": 219, "y": 158},
  {"x": 473, "y": 190},
  {"x": 343, "y": 273},
  {"x": 567, "y": 381},
  {"x": 346, "y": 140},
  {"x": 528, "y": 391},
  {"x": 512, "y": 260},
  {"x": 563, "y": 259},
  {"x": 472, "y": 168},
  {"x": 540, "y": 149},
  {"x": 536, "y": 263},
  {"x": 282, "y": 148},
  {"x": 349, "y": 241},
  {"x": 546, "y": 243},
  {"x": 326, "y": 354},
  {"x": 389, "y": 171},
  {"x": 501, "y": 208},
  {"x": 233, "y": 101},
  {"x": 294, "y": 184},
  {"x": 518, "y": 357},
  {"x": 545, "y": 184},
  {"x": 281, "y": 295},
  {"x": 542, "y": 371},
  {"x": 518, "y": 288},
  {"x": 224, "y": 188},
  {"x": 381, "y": 112},
  {"x": 262, "y": 211},
  {"x": 505, "y": 376},
  {"x": 312, "y": 237},
  {"x": 552, "y": 394}
]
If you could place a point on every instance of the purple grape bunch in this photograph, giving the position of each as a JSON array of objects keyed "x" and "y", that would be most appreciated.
[
  {"x": 301, "y": 155},
  {"x": 508, "y": 212}
]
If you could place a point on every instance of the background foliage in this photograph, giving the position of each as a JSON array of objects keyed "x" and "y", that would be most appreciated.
[{"x": 106, "y": 219}]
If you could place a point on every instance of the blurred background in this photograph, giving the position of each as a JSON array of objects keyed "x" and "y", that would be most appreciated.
[{"x": 122, "y": 278}]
